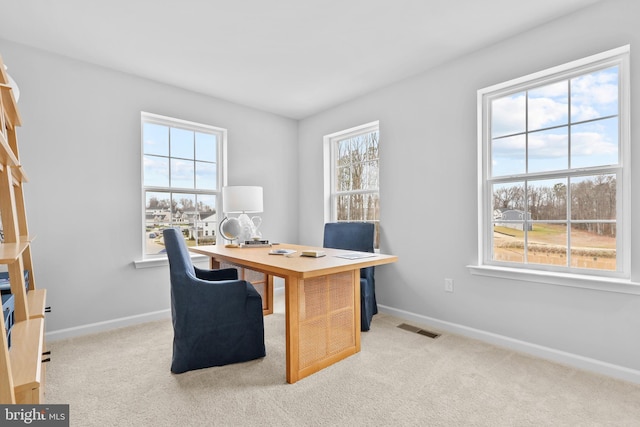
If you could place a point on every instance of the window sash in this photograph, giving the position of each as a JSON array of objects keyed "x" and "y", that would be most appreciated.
[
  {"x": 335, "y": 194},
  {"x": 220, "y": 170},
  {"x": 616, "y": 57},
  {"x": 331, "y": 195}
]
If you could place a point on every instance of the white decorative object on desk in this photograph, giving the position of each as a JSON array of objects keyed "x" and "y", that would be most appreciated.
[
  {"x": 230, "y": 229},
  {"x": 256, "y": 221},
  {"x": 243, "y": 200}
]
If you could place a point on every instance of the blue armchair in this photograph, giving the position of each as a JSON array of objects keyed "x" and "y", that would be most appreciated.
[
  {"x": 217, "y": 319},
  {"x": 356, "y": 236}
]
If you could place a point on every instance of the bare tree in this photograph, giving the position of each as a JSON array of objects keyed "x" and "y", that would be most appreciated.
[
  {"x": 357, "y": 169},
  {"x": 592, "y": 199}
]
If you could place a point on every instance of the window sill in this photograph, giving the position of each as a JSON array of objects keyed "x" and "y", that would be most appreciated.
[
  {"x": 162, "y": 261},
  {"x": 606, "y": 284}
]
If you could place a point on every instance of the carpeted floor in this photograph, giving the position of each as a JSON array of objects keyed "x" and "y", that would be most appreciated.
[{"x": 400, "y": 378}]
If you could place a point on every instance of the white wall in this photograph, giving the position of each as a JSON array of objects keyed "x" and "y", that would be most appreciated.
[
  {"x": 80, "y": 146},
  {"x": 429, "y": 202}
]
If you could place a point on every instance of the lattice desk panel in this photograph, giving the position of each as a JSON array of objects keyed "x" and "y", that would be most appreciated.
[{"x": 327, "y": 317}]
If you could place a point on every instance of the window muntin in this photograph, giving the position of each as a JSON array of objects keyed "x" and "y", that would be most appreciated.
[
  {"x": 354, "y": 175},
  {"x": 553, "y": 168},
  {"x": 182, "y": 172}
]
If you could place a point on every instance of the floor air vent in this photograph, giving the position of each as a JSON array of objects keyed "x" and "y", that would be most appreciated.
[{"x": 411, "y": 328}]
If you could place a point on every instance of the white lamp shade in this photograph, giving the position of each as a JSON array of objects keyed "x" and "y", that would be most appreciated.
[{"x": 246, "y": 199}]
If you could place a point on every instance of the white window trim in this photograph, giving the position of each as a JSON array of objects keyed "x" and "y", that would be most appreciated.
[
  {"x": 152, "y": 260},
  {"x": 620, "y": 282},
  {"x": 608, "y": 284},
  {"x": 162, "y": 261},
  {"x": 329, "y": 160}
]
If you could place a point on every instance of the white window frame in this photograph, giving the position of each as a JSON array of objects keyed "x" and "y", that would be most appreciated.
[
  {"x": 221, "y": 170},
  {"x": 618, "y": 281},
  {"x": 330, "y": 155}
]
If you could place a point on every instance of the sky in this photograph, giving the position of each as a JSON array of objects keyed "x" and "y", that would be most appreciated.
[{"x": 560, "y": 133}]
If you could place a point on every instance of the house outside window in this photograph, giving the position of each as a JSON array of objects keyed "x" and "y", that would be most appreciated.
[
  {"x": 183, "y": 173},
  {"x": 351, "y": 176},
  {"x": 554, "y": 175}
]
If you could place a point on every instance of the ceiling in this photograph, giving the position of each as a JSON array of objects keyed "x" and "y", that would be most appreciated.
[{"x": 289, "y": 57}]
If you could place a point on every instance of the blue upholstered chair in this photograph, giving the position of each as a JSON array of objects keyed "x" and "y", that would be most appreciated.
[
  {"x": 217, "y": 319},
  {"x": 356, "y": 236}
]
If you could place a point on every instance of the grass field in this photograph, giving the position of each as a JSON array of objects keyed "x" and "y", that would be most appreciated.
[{"x": 547, "y": 244}]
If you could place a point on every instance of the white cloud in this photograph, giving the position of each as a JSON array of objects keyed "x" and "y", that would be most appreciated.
[
  {"x": 508, "y": 115},
  {"x": 594, "y": 95},
  {"x": 546, "y": 112},
  {"x": 548, "y": 145},
  {"x": 592, "y": 144}
]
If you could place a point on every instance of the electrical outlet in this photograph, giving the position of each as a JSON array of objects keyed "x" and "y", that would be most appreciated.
[{"x": 448, "y": 285}]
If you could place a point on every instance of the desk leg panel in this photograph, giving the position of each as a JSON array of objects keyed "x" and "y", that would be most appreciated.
[
  {"x": 328, "y": 328},
  {"x": 291, "y": 318},
  {"x": 356, "y": 304}
]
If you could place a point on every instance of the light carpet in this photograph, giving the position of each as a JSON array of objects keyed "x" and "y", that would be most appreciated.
[{"x": 400, "y": 378}]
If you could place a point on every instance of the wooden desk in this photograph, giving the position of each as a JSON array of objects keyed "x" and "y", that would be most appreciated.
[{"x": 322, "y": 300}]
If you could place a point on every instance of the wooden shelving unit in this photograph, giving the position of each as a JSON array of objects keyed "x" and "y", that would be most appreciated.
[{"x": 21, "y": 365}]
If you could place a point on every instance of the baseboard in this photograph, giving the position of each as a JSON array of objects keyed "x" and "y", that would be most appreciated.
[
  {"x": 558, "y": 356},
  {"x": 121, "y": 322}
]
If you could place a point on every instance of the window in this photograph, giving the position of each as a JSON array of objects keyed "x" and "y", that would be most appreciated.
[
  {"x": 554, "y": 172},
  {"x": 182, "y": 177},
  {"x": 351, "y": 176}
]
